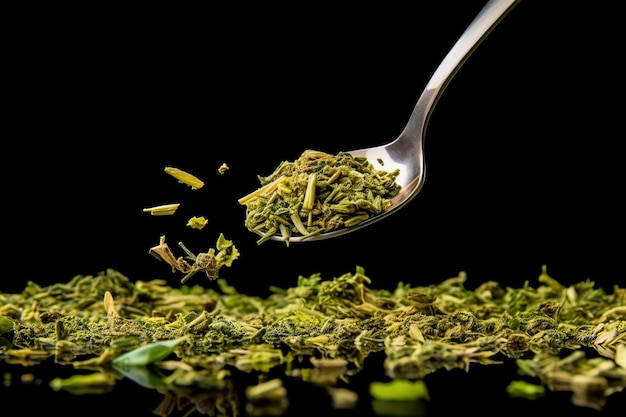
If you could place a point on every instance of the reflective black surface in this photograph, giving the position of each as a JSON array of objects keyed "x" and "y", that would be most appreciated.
[
  {"x": 523, "y": 159},
  {"x": 481, "y": 390}
]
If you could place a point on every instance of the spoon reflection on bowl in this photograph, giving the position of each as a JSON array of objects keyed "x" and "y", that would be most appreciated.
[{"x": 406, "y": 152}]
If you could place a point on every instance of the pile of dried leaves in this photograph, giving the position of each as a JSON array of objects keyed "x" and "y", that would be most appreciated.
[{"x": 190, "y": 340}]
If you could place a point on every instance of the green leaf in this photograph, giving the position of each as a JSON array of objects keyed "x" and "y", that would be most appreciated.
[
  {"x": 147, "y": 354},
  {"x": 399, "y": 390}
]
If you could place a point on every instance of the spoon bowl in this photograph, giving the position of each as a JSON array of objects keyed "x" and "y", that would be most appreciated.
[{"x": 406, "y": 152}]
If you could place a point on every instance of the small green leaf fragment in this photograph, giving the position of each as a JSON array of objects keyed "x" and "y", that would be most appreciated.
[
  {"x": 186, "y": 178},
  {"x": 523, "y": 389},
  {"x": 399, "y": 390},
  {"x": 197, "y": 222},
  {"x": 147, "y": 354},
  {"x": 80, "y": 384},
  {"x": 162, "y": 210},
  {"x": 146, "y": 376},
  {"x": 223, "y": 243},
  {"x": 223, "y": 168},
  {"x": 227, "y": 251},
  {"x": 6, "y": 325}
]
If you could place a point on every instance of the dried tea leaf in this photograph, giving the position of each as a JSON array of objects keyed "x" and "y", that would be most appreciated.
[
  {"x": 399, "y": 390},
  {"x": 109, "y": 305},
  {"x": 223, "y": 168},
  {"x": 185, "y": 177},
  {"x": 162, "y": 210},
  {"x": 147, "y": 354},
  {"x": 197, "y": 222},
  {"x": 524, "y": 389}
]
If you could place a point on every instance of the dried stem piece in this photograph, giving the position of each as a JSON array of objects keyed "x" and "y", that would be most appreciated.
[{"x": 186, "y": 178}]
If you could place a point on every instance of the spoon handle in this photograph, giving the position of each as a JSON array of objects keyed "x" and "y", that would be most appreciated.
[{"x": 478, "y": 29}]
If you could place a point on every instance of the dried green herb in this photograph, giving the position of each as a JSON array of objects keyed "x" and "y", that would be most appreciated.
[
  {"x": 318, "y": 193},
  {"x": 561, "y": 337},
  {"x": 399, "y": 390},
  {"x": 524, "y": 389},
  {"x": 184, "y": 177},
  {"x": 197, "y": 222},
  {"x": 162, "y": 210},
  {"x": 224, "y": 254},
  {"x": 93, "y": 383},
  {"x": 147, "y": 354}
]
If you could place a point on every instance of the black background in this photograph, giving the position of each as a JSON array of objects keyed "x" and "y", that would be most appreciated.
[{"x": 523, "y": 152}]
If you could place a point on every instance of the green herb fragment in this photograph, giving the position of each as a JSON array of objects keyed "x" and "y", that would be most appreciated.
[
  {"x": 147, "y": 354},
  {"x": 93, "y": 383},
  {"x": 197, "y": 222},
  {"x": 162, "y": 210},
  {"x": 524, "y": 389},
  {"x": 224, "y": 254},
  {"x": 6, "y": 325},
  {"x": 223, "y": 168},
  {"x": 146, "y": 376},
  {"x": 318, "y": 193},
  {"x": 184, "y": 177},
  {"x": 400, "y": 408},
  {"x": 399, "y": 390}
]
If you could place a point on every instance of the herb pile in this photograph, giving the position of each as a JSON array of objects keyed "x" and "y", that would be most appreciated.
[
  {"x": 189, "y": 342},
  {"x": 318, "y": 193}
]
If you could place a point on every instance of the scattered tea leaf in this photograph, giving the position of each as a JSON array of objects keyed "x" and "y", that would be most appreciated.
[
  {"x": 197, "y": 222},
  {"x": 185, "y": 177},
  {"x": 399, "y": 390},
  {"x": 162, "y": 210},
  {"x": 147, "y": 354},
  {"x": 524, "y": 389},
  {"x": 223, "y": 168}
]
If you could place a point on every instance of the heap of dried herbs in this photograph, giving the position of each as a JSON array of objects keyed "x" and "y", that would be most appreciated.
[
  {"x": 189, "y": 341},
  {"x": 318, "y": 193}
]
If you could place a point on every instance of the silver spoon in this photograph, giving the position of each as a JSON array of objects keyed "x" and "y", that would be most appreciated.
[{"x": 406, "y": 152}]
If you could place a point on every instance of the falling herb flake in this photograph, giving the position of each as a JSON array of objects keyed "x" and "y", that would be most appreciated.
[
  {"x": 184, "y": 177},
  {"x": 224, "y": 254},
  {"x": 197, "y": 222},
  {"x": 93, "y": 383},
  {"x": 399, "y": 390},
  {"x": 162, "y": 210},
  {"x": 223, "y": 168},
  {"x": 525, "y": 389}
]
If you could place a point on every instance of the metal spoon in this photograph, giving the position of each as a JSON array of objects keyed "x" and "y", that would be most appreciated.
[{"x": 406, "y": 152}]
